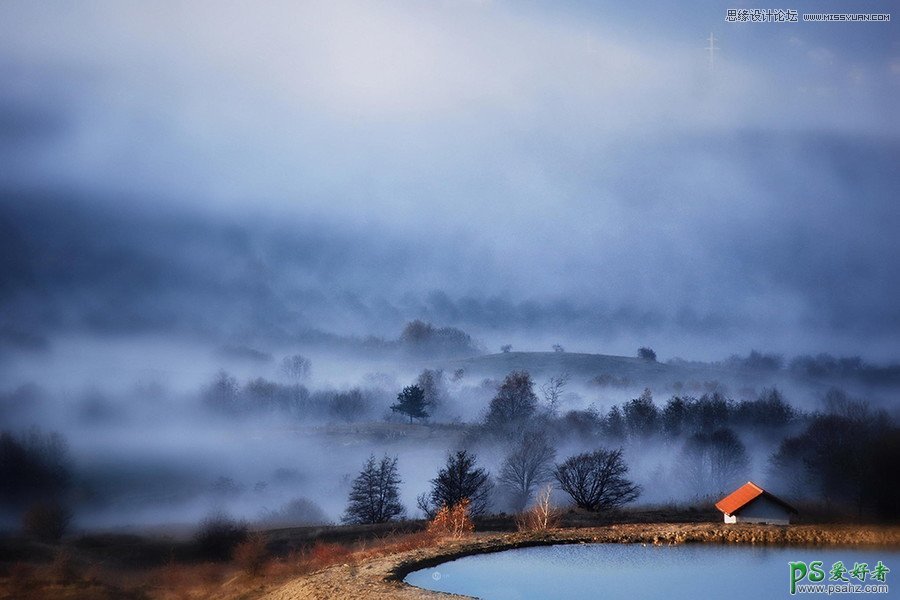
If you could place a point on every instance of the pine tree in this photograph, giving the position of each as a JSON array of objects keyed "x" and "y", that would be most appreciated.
[
  {"x": 375, "y": 495},
  {"x": 411, "y": 401},
  {"x": 459, "y": 479}
]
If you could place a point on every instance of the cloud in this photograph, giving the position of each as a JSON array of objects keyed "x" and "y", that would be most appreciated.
[
  {"x": 351, "y": 165},
  {"x": 768, "y": 257},
  {"x": 821, "y": 55},
  {"x": 320, "y": 103}
]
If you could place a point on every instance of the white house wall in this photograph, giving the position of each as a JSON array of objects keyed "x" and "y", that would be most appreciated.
[{"x": 761, "y": 510}]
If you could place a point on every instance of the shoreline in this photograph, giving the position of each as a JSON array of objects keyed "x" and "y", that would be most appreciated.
[{"x": 382, "y": 577}]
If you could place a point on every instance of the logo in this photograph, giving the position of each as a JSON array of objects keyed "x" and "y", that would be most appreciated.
[{"x": 860, "y": 579}]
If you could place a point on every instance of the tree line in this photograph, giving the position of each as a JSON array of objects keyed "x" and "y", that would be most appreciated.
[
  {"x": 838, "y": 457},
  {"x": 596, "y": 481}
]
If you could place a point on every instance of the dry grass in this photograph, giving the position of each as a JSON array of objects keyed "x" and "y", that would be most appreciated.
[
  {"x": 63, "y": 569},
  {"x": 63, "y": 578},
  {"x": 324, "y": 554},
  {"x": 178, "y": 581},
  {"x": 253, "y": 570},
  {"x": 251, "y": 555}
]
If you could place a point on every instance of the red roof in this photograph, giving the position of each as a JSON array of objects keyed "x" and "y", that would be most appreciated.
[{"x": 746, "y": 494}]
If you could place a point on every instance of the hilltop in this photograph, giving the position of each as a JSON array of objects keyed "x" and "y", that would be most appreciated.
[
  {"x": 614, "y": 371},
  {"x": 575, "y": 363}
]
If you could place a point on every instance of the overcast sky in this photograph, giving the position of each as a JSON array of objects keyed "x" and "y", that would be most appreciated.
[{"x": 571, "y": 171}]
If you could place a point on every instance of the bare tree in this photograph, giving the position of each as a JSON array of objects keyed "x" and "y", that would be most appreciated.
[
  {"x": 542, "y": 516},
  {"x": 296, "y": 367},
  {"x": 712, "y": 463},
  {"x": 375, "y": 496},
  {"x": 223, "y": 393},
  {"x": 552, "y": 391},
  {"x": 349, "y": 406},
  {"x": 528, "y": 465},
  {"x": 596, "y": 480},
  {"x": 431, "y": 381},
  {"x": 728, "y": 459}
]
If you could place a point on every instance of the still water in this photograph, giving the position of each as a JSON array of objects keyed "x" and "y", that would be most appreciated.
[{"x": 600, "y": 571}]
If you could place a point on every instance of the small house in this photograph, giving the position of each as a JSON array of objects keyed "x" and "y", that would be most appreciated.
[{"x": 752, "y": 504}]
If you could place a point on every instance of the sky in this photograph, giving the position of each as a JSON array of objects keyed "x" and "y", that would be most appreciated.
[{"x": 531, "y": 172}]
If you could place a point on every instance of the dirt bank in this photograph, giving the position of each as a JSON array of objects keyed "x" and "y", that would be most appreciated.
[{"x": 381, "y": 578}]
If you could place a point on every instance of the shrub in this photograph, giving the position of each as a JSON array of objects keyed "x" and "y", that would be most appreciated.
[
  {"x": 452, "y": 521},
  {"x": 218, "y": 535}
]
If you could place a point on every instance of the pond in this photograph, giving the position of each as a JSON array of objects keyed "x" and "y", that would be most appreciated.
[{"x": 692, "y": 571}]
